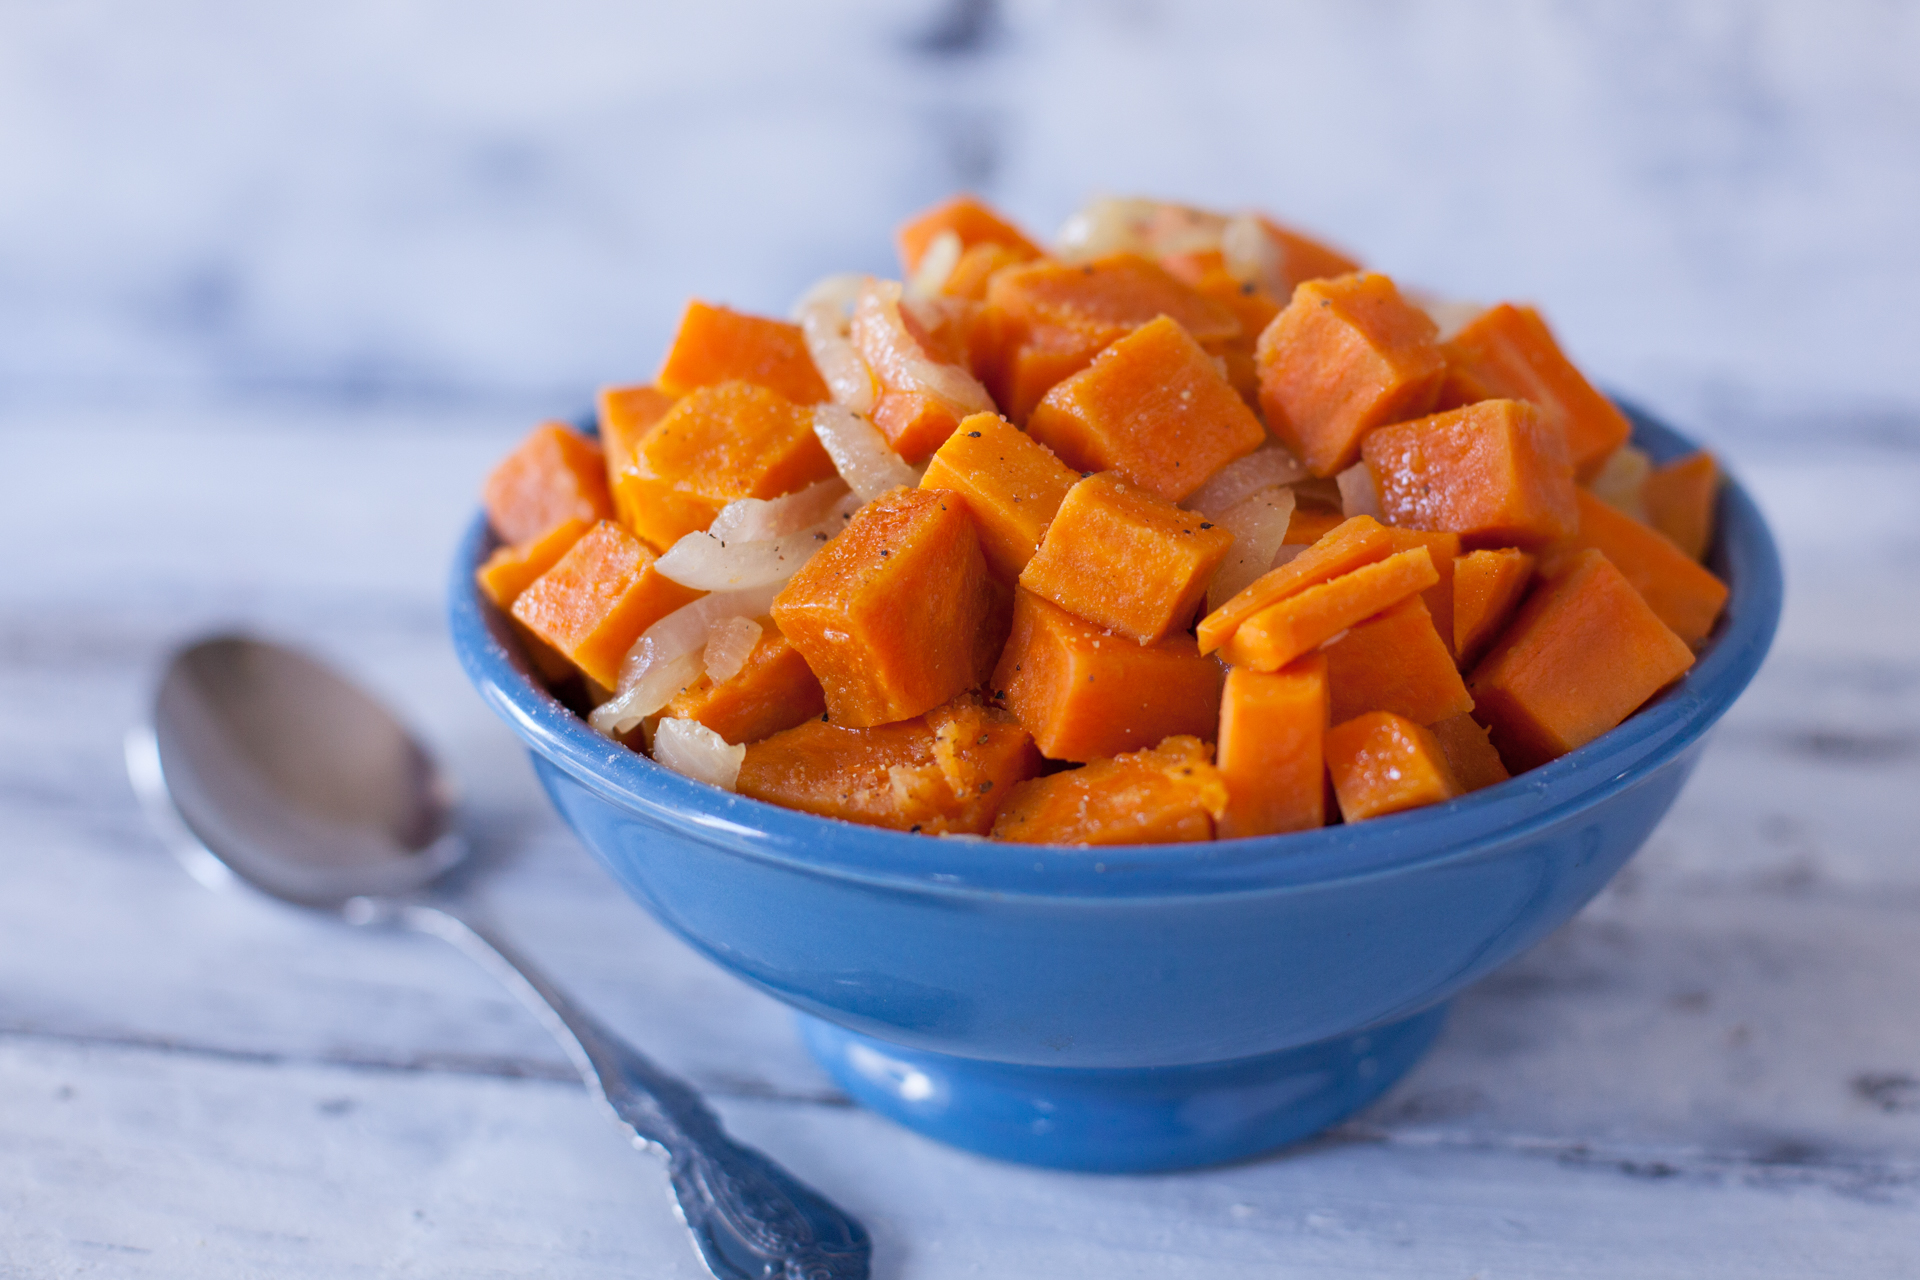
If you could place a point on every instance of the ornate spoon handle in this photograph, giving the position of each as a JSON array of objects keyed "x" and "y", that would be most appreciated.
[{"x": 751, "y": 1219}]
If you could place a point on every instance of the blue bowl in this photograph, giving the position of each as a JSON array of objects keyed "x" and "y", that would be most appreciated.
[{"x": 1141, "y": 1007}]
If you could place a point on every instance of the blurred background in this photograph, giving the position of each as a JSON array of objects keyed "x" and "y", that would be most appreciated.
[{"x": 489, "y": 209}]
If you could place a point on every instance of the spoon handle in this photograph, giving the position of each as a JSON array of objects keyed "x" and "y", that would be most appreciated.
[{"x": 751, "y": 1219}]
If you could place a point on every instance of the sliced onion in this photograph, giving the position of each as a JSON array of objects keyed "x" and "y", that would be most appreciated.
[
  {"x": 1271, "y": 464},
  {"x": 1156, "y": 228},
  {"x": 1449, "y": 315},
  {"x": 860, "y": 453},
  {"x": 1357, "y": 494},
  {"x": 667, "y": 656},
  {"x": 654, "y": 688},
  {"x": 1287, "y": 552},
  {"x": 729, "y": 643},
  {"x": 1622, "y": 480},
  {"x": 757, "y": 519},
  {"x": 823, "y": 314},
  {"x": 936, "y": 265},
  {"x": 1250, "y": 255},
  {"x": 689, "y": 747},
  {"x": 899, "y": 363},
  {"x": 1259, "y": 527},
  {"x": 707, "y": 563}
]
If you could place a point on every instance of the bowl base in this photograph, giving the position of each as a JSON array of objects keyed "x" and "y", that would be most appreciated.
[{"x": 1115, "y": 1120}]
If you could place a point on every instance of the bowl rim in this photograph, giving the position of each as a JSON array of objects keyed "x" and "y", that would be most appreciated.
[{"x": 1744, "y": 555}]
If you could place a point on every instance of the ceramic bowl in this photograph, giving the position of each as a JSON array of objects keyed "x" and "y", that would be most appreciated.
[{"x": 1129, "y": 1008}]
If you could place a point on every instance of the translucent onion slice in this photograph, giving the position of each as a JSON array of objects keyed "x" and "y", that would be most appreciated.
[
  {"x": 1271, "y": 464},
  {"x": 823, "y": 314},
  {"x": 1449, "y": 315},
  {"x": 653, "y": 689},
  {"x": 860, "y": 453},
  {"x": 1250, "y": 254},
  {"x": 689, "y": 747},
  {"x": 1287, "y": 553},
  {"x": 936, "y": 265},
  {"x": 707, "y": 563},
  {"x": 667, "y": 656},
  {"x": 899, "y": 363},
  {"x": 1357, "y": 494},
  {"x": 729, "y": 642},
  {"x": 1110, "y": 224},
  {"x": 1621, "y": 482},
  {"x": 758, "y": 519},
  {"x": 1259, "y": 526}
]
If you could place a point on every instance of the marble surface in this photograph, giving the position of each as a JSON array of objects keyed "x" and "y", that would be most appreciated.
[{"x": 278, "y": 284}]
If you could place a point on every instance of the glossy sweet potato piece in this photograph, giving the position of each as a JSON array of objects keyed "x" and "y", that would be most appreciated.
[
  {"x": 719, "y": 443},
  {"x": 1012, "y": 484},
  {"x": 1382, "y": 763},
  {"x": 1126, "y": 559},
  {"x": 1395, "y": 661},
  {"x": 1312, "y": 522},
  {"x": 1347, "y": 546},
  {"x": 716, "y": 345},
  {"x": 555, "y": 475},
  {"x": 888, "y": 614},
  {"x": 1169, "y": 794},
  {"x": 1084, "y": 692},
  {"x": 924, "y": 383},
  {"x": 1251, "y": 305},
  {"x": 626, "y": 415},
  {"x": 1508, "y": 353},
  {"x": 775, "y": 690},
  {"x": 1680, "y": 499},
  {"x": 1303, "y": 258},
  {"x": 1273, "y": 727},
  {"x": 1305, "y": 620},
  {"x": 597, "y": 599},
  {"x": 511, "y": 569},
  {"x": 1685, "y": 596},
  {"x": 1583, "y": 654},
  {"x": 1444, "y": 548},
  {"x": 1152, "y": 406},
  {"x": 973, "y": 221},
  {"x": 1345, "y": 356},
  {"x": 1469, "y": 752},
  {"x": 1487, "y": 588},
  {"x": 947, "y": 771},
  {"x": 1493, "y": 473}
]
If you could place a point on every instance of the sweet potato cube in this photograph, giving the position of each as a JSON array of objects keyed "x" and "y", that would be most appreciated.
[
  {"x": 512, "y": 569},
  {"x": 716, "y": 345},
  {"x": 1011, "y": 483},
  {"x": 626, "y": 415},
  {"x": 1395, "y": 661},
  {"x": 1345, "y": 356},
  {"x": 1273, "y": 727},
  {"x": 555, "y": 475},
  {"x": 972, "y": 221},
  {"x": 1382, "y": 763},
  {"x": 1085, "y": 693},
  {"x": 1444, "y": 547},
  {"x": 1342, "y": 549},
  {"x": 719, "y": 443},
  {"x": 1469, "y": 752},
  {"x": 1311, "y": 522},
  {"x": 1583, "y": 654},
  {"x": 1685, "y": 596},
  {"x": 1680, "y": 499},
  {"x": 1492, "y": 472},
  {"x": 1166, "y": 795},
  {"x": 1126, "y": 559},
  {"x": 1304, "y": 258},
  {"x": 775, "y": 690},
  {"x": 597, "y": 599},
  {"x": 1302, "y": 622},
  {"x": 888, "y": 614},
  {"x": 973, "y": 275},
  {"x": 1487, "y": 588},
  {"x": 1508, "y": 353},
  {"x": 1152, "y": 406}
]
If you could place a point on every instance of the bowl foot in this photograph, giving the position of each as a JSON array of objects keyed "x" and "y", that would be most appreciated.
[{"x": 1116, "y": 1120}]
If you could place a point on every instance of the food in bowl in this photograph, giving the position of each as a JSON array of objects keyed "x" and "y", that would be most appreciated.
[{"x": 1188, "y": 529}]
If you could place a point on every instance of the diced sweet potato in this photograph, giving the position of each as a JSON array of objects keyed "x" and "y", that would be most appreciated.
[
  {"x": 947, "y": 771},
  {"x": 1304, "y": 258},
  {"x": 968, "y": 218},
  {"x": 511, "y": 569},
  {"x": 1382, "y": 763},
  {"x": 1350, "y": 544},
  {"x": 1686, "y": 596},
  {"x": 1469, "y": 752},
  {"x": 1583, "y": 654},
  {"x": 1444, "y": 548},
  {"x": 555, "y": 475},
  {"x": 1345, "y": 356},
  {"x": 1165, "y": 795},
  {"x": 973, "y": 275},
  {"x": 1152, "y": 406},
  {"x": 716, "y": 345},
  {"x": 888, "y": 614},
  {"x": 1251, "y": 305},
  {"x": 1395, "y": 661},
  {"x": 1011, "y": 483},
  {"x": 719, "y": 443},
  {"x": 1273, "y": 726},
  {"x": 1305, "y": 620},
  {"x": 597, "y": 599},
  {"x": 1492, "y": 472},
  {"x": 1311, "y": 522},
  {"x": 1126, "y": 559},
  {"x": 1085, "y": 693},
  {"x": 1487, "y": 588},
  {"x": 1507, "y": 352},
  {"x": 1680, "y": 499},
  {"x": 626, "y": 415},
  {"x": 925, "y": 386},
  {"x": 775, "y": 690}
]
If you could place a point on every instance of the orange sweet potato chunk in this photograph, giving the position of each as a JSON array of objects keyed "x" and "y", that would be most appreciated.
[
  {"x": 1085, "y": 693},
  {"x": 554, "y": 476},
  {"x": 973, "y": 275},
  {"x": 1469, "y": 752},
  {"x": 1507, "y": 352},
  {"x": 718, "y": 443},
  {"x": 1492, "y": 472},
  {"x": 626, "y": 415},
  {"x": 512, "y": 569},
  {"x": 920, "y": 367},
  {"x": 1487, "y": 588},
  {"x": 1685, "y": 596},
  {"x": 1345, "y": 356},
  {"x": 597, "y": 599},
  {"x": 1311, "y": 522},
  {"x": 1166, "y": 795},
  {"x": 1342, "y": 549},
  {"x": 1680, "y": 499},
  {"x": 1273, "y": 727},
  {"x": 1152, "y": 406},
  {"x": 1126, "y": 559},
  {"x": 1011, "y": 483},
  {"x": 1395, "y": 661},
  {"x": 888, "y": 614},
  {"x": 716, "y": 345},
  {"x": 947, "y": 771},
  {"x": 1304, "y": 258},
  {"x": 973, "y": 221},
  {"x": 1305, "y": 620},
  {"x": 1444, "y": 547},
  {"x": 775, "y": 690},
  {"x": 1583, "y": 654},
  {"x": 1382, "y": 763}
]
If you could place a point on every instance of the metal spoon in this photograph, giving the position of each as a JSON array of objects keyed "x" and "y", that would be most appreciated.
[{"x": 264, "y": 768}]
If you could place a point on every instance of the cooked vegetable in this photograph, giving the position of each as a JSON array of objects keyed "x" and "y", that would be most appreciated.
[
  {"x": 1508, "y": 353},
  {"x": 715, "y": 345},
  {"x": 772, "y": 689},
  {"x": 1382, "y": 763},
  {"x": 1487, "y": 587},
  {"x": 1680, "y": 499},
  {"x": 1162, "y": 796},
  {"x": 971, "y": 222},
  {"x": 626, "y": 415},
  {"x": 1621, "y": 482},
  {"x": 924, "y": 390},
  {"x": 1470, "y": 752},
  {"x": 1684, "y": 595},
  {"x": 1012, "y": 486},
  {"x": 1493, "y": 473},
  {"x": 1304, "y": 621},
  {"x": 597, "y": 599},
  {"x": 689, "y": 747},
  {"x": 554, "y": 476},
  {"x": 1273, "y": 727},
  {"x": 669, "y": 656},
  {"x": 512, "y": 568},
  {"x": 1259, "y": 527},
  {"x": 1444, "y": 548},
  {"x": 1353, "y": 543},
  {"x": 1395, "y": 661}
]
